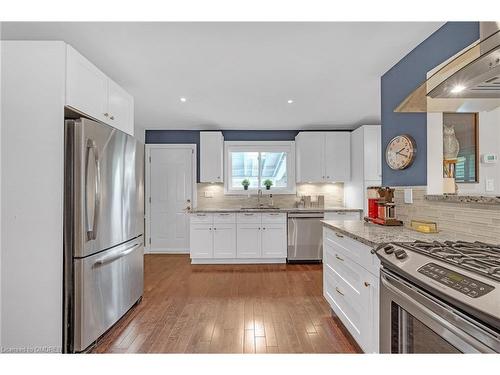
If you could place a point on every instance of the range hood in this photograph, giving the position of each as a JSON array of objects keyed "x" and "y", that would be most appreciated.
[{"x": 468, "y": 82}]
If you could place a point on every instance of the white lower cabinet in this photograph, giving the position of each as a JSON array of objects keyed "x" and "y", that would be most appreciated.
[
  {"x": 249, "y": 241},
  {"x": 241, "y": 238},
  {"x": 224, "y": 240},
  {"x": 274, "y": 239},
  {"x": 201, "y": 240},
  {"x": 352, "y": 290}
]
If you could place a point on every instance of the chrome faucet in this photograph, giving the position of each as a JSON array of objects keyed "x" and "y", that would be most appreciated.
[{"x": 259, "y": 195}]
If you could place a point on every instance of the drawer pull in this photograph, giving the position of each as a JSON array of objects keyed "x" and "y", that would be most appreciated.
[
  {"x": 201, "y": 215},
  {"x": 224, "y": 214},
  {"x": 339, "y": 292},
  {"x": 339, "y": 258},
  {"x": 339, "y": 235},
  {"x": 248, "y": 214},
  {"x": 340, "y": 213},
  {"x": 367, "y": 284},
  {"x": 273, "y": 214}
]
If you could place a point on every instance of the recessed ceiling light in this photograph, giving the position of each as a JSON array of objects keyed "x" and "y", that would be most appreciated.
[
  {"x": 289, "y": 101},
  {"x": 183, "y": 99},
  {"x": 457, "y": 89}
]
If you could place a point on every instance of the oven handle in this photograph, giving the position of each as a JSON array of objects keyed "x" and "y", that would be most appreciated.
[{"x": 440, "y": 313}]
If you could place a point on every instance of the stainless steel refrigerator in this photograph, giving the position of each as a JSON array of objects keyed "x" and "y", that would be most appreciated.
[{"x": 103, "y": 229}]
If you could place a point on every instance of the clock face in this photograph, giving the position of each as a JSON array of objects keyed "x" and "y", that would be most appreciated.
[{"x": 400, "y": 152}]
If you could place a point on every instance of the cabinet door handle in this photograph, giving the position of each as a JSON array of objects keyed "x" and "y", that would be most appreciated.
[
  {"x": 339, "y": 292},
  {"x": 209, "y": 228},
  {"x": 327, "y": 176},
  {"x": 112, "y": 117},
  {"x": 367, "y": 283},
  {"x": 106, "y": 114},
  {"x": 263, "y": 228},
  {"x": 215, "y": 228},
  {"x": 339, "y": 258},
  {"x": 339, "y": 235}
]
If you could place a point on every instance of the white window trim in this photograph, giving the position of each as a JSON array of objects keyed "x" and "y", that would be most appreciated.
[{"x": 271, "y": 146}]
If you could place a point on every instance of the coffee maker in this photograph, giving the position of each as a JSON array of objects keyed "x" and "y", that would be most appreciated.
[{"x": 381, "y": 206}]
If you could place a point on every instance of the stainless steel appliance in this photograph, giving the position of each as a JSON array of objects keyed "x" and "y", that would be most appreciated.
[
  {"x": 439, "y": 297},
  {"x": 103, "y": 229},
  {"x": 459, "y": 82},
  {"x": 305, "y": 237}
]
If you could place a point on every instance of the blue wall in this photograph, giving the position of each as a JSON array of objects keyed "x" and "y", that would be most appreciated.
[{"x": 402, "y": 79}]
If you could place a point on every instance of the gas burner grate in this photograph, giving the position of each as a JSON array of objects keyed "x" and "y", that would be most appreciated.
[{"x": 477, "y": 256}]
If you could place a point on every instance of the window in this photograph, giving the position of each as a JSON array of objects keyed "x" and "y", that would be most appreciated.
[
  {"x": 258, "y": 162},
  {"x": 466, "y": 132}
]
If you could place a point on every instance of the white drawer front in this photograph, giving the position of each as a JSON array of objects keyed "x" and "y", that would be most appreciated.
[
  {"x": 249, "y": 217},
  {"x": 202, "y": 218},
  {"x": 345, "y": 302},
  {"x": 225, "y": 217},
  {"x": 356, "y": 251},
  {"x": 274, "y": 217},
  {"x": 342, "y": 215}
]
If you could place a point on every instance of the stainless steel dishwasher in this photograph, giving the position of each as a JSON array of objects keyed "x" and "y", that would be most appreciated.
[{"x": 305, "y": 237}]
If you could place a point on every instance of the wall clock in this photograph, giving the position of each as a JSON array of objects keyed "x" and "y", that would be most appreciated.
[{"x": 400, "y": 152}]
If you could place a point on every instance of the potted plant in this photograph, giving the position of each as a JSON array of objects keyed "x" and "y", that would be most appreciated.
[
  {"x": 245, "y": 183},
  {"x": 268, "y": 183}
]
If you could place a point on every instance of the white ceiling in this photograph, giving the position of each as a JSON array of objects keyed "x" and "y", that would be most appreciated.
[{"x": 240, "y": 75}]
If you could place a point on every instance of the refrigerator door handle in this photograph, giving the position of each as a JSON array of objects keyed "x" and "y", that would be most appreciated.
[
  {"x": 112, "y": 258},
  {"x": 92, "y": 229}
]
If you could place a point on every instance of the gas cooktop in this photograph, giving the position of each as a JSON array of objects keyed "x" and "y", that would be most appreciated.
[{"x": 478, "y": 257}]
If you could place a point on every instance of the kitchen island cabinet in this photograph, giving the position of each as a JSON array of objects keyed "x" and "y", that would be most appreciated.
[{"x": 351, "y": 286}]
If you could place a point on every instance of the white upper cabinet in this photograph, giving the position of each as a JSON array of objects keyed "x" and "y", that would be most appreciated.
[
  {"x": 372, "y": 153},
  {"x": 337, "y": 156},
  {"x": 120, "y": 108},
  {"x": 310, "y": 151},
  {"x": 86, "y": 86},
  {"x": 211, "y": 156},
  {"x": 91, "y": 92},
  {"x": 323, "y": 156}
]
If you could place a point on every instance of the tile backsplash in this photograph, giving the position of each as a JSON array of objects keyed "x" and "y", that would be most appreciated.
[
  {"x": 481, "y": 220},
  {"x": 333, "y": 193}
]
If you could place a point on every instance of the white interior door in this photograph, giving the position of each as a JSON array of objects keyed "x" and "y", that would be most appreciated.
[{"x": 172, "y": 181}]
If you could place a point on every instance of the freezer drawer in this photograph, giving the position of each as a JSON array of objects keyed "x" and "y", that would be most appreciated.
[{"x": 107, "y": 285}]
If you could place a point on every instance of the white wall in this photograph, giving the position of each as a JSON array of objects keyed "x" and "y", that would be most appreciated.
[{"x": 32, "y": 144}]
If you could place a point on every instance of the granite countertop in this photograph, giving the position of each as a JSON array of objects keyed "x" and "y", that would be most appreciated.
[
  {"x": 284, "y": 209},
  {"x": 483, "y": 199},
  {"x": 374, "y": 234}
]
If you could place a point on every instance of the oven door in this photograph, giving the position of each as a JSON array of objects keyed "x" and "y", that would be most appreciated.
[{"x": 412, "y": 321}]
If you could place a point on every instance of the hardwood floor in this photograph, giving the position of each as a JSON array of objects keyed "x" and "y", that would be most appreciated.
[{"x": 228, "y": 309}]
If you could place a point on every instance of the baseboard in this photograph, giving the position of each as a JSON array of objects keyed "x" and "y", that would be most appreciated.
[
  {"x": 238, "y": 261},
  {"x": 166, "y": 251}
]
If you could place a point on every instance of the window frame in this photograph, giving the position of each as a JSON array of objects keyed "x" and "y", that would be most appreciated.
[
  {"x": 260, "y": 146},
  {"x": 475, "y": 127}
]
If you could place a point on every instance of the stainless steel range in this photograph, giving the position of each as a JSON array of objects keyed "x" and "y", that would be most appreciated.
[{"x": 439, "y": 297}]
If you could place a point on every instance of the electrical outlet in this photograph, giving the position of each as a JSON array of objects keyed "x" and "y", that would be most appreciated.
[
  {"x": 490, "y": 184},
  {"x": 208, "y": 194},
  {"x": 409, "y": 196}
]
